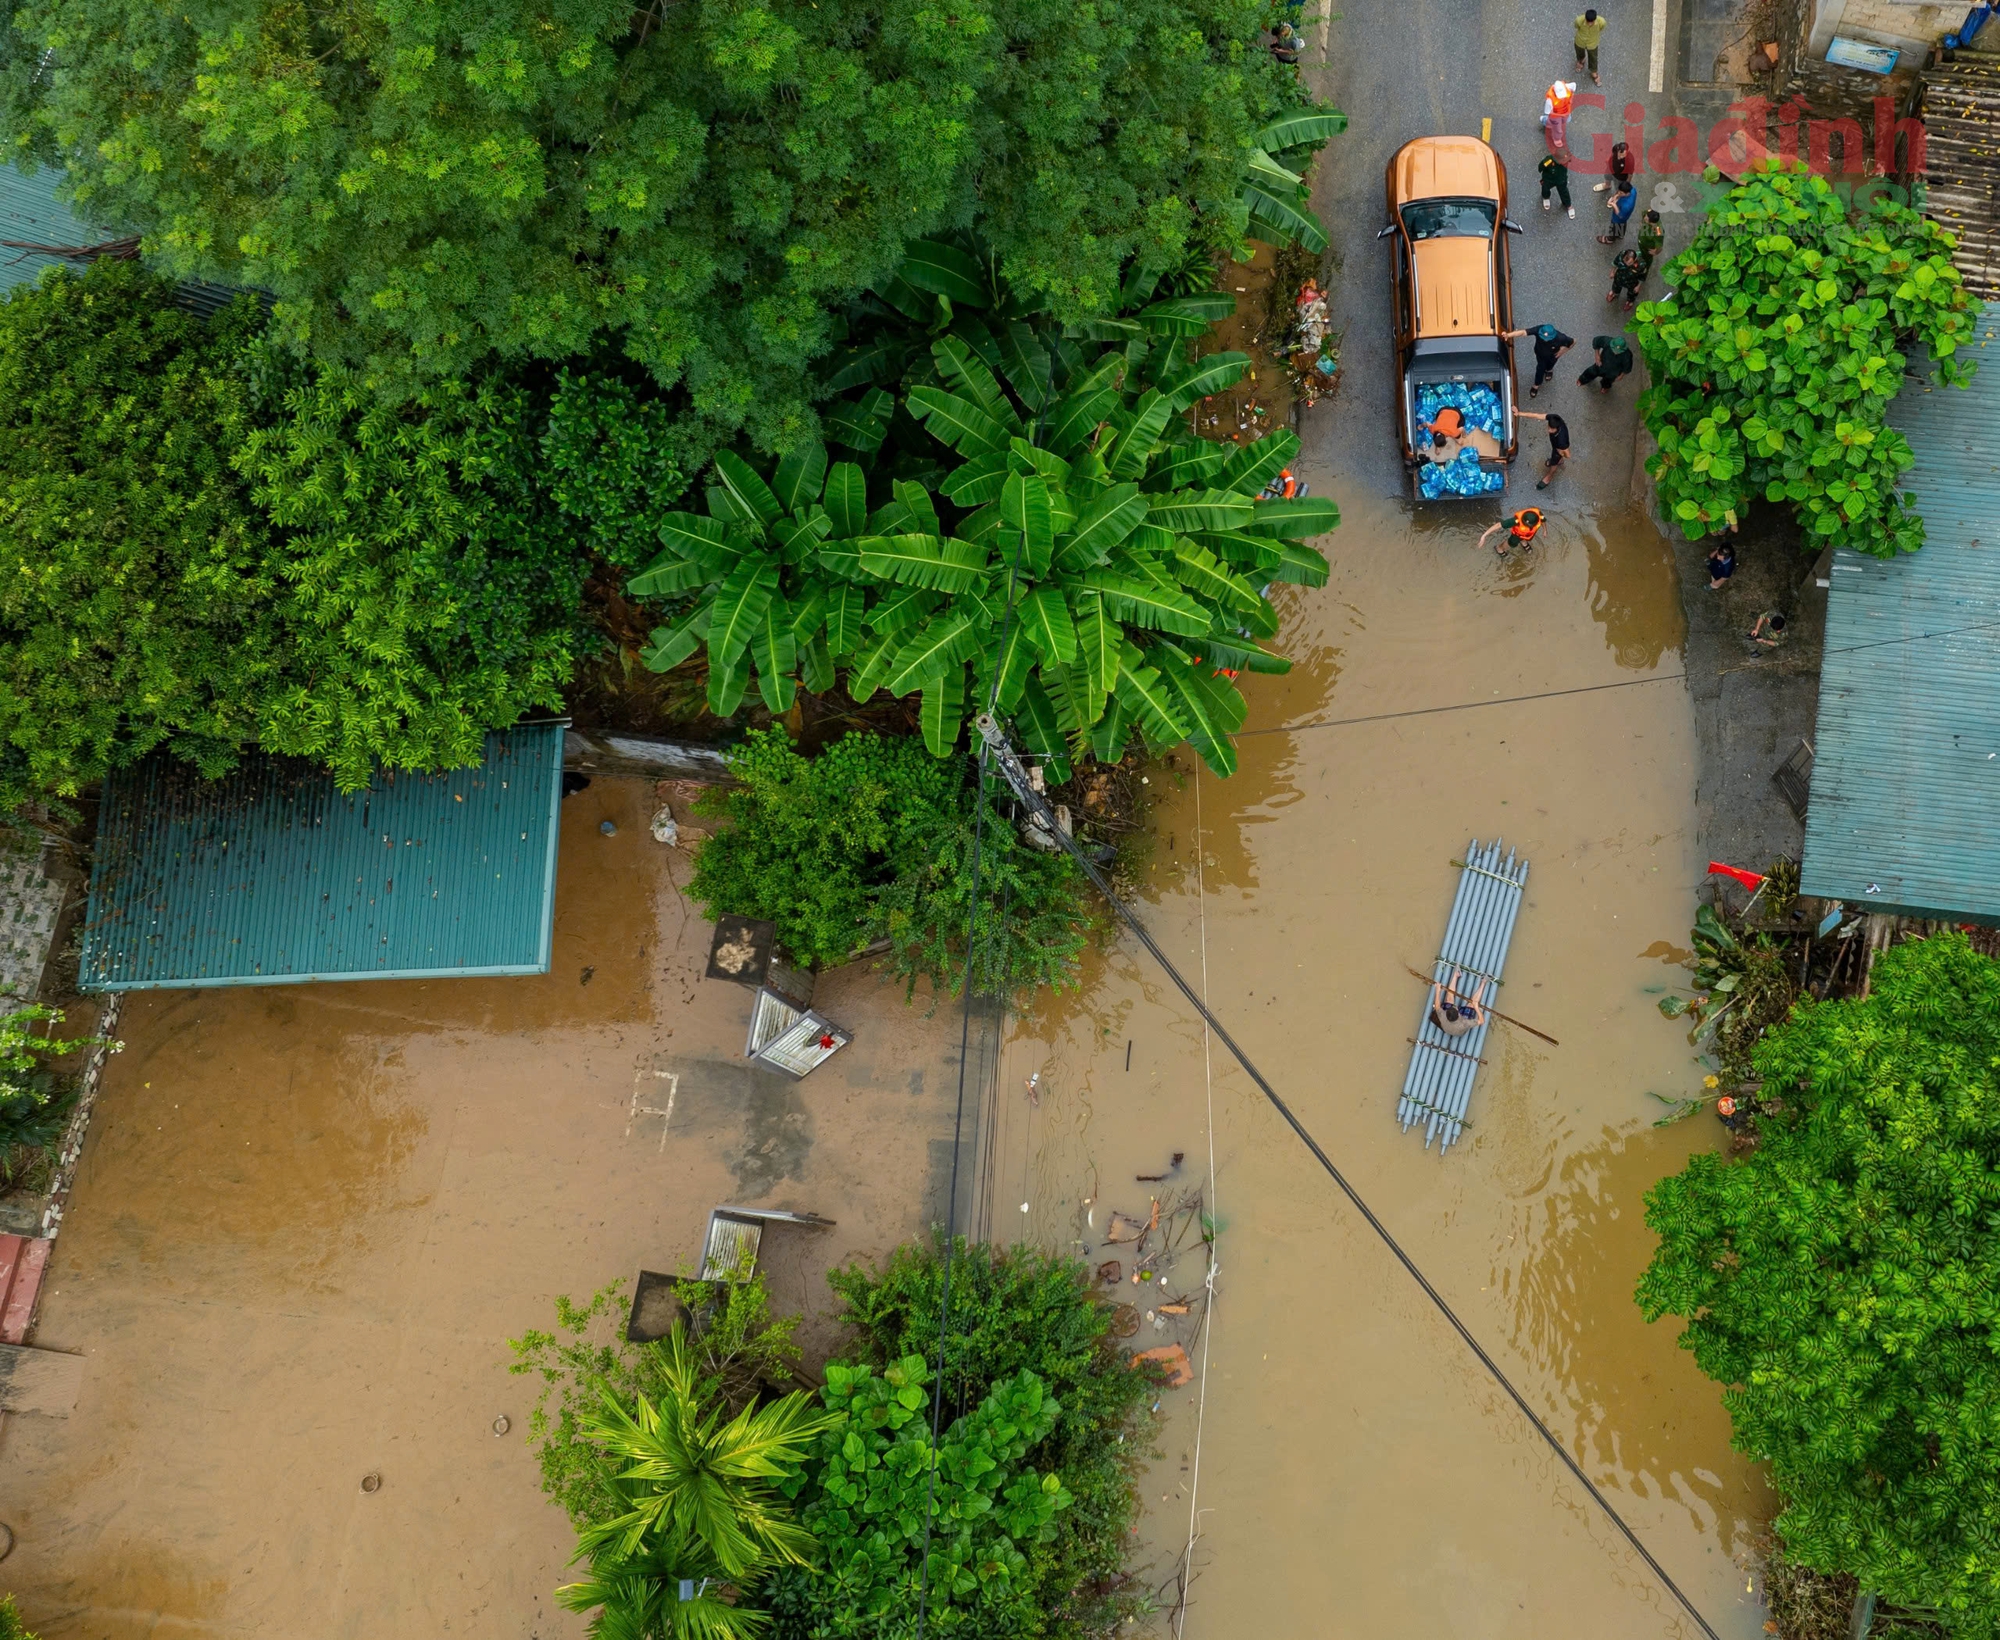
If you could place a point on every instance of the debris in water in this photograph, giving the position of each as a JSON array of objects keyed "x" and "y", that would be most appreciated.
[
  {"x": 1034, "y": 1086},
  {"x": 585, "y": 980},
  {"x": 502, "y": 1424},
  {"x": 608, "y": 827},
  {"x": 1124, "y": 1320},
  {"x": 1110, "y": 1272},
  {"x": 371, "y": 1482},
  {"x": 1173, "y": 1167},
  {"x": 1179, "y": 1369},
  {"x": 1124, "y": 1229},
  {"x": 665, "y": 829},
  {"x": 1173, "y": 1309},
  {"x": 1024, "y": 1207}
]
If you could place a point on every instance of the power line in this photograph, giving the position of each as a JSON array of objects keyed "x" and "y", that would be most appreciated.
[{"x": 995, "y": 742}]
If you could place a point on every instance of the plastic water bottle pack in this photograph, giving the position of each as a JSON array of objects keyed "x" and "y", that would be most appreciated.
[{"x": 1480, "y": 406}]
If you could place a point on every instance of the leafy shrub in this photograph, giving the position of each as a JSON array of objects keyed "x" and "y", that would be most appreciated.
[
  {"x": 428, "y": 590},
  {"x": 615, "y": 460},
  {"x": 1838, "y": 1281},
  {"x": 741, "y": 1348},
  {"x": 884, "y": 1496},
  {"x": 136, "y": 590},
  {"x": 1775, "y": 360},
  {"x": 1013, "y": 1312},
  {"x": 873, "y": 836},
  {"x": 34, "y": 1101},
  {"x": 11, "y": 1626}
]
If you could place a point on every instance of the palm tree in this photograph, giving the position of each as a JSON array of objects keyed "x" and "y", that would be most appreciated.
[{"x": 703, "y": 1512}]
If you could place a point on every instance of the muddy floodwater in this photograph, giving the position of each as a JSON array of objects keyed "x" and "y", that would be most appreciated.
[{"x": 1358, "y": 1472}]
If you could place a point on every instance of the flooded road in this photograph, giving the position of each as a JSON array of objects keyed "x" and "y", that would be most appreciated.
[{"x": 1358, "y": 1472}]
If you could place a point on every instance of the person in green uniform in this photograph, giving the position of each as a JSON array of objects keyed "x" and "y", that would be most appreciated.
[
  {"x": 1614, "y": 359},
  {"x": 1652, "y": 241},
  {"x": 1555, "y": 180},
  {"x": 1589, "y": 31}
]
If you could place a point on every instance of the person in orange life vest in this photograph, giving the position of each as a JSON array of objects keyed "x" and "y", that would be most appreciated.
[
  {"x": 1556, "y": 104},
  {"x": 1521, "y": 529}
]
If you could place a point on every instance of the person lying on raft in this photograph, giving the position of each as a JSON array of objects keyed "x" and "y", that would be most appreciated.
[{"x": 1454, "y": 1014}]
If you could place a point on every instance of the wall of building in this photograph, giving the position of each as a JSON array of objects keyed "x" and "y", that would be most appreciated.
[{"x": 1909, "y": 27}]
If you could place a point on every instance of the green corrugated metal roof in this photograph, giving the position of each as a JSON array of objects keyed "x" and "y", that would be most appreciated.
[
  {"x": 1905, "y": 807},
  {"x": 273, "y": 876},
  {"x": 31, "y": 215}
]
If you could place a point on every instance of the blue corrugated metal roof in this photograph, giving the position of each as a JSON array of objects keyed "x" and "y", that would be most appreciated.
[
  {"x": 1905, "y": 809},
  {"x": 273, "y": 876},
  {"x": 31, "y": 214}
]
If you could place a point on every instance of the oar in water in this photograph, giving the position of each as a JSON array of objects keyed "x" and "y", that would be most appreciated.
[{"x": 1495, "y": 1012}]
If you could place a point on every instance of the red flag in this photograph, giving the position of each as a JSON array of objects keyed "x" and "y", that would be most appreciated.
[{"x": 1749, "y": 879}]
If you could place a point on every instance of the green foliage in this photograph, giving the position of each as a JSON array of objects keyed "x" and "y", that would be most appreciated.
[
  {"x": 668, "y": 1461},
  {"x": 1017, "y": 1315},
  {"x": 137, "y": 594},
  {"x": 11, "y": 1626},
  {"x": 741, "y": 1349},
  {"x": 427, "y": 593},
  {"x": 205, "y": 545},
  {"x": 1840, "y": 1281},
  {"x": 424, "y": 187},
  {"x": 34, "y": 1101},
  {"x": 1086, "y": 562},
  {"x": 873, "y": 836},
  {"x": 1743, "y": 986},
  {"x": 615, "y": 459},
  {"x": 1776, "y": 358},
  {"x": 876, "y": 1480}
]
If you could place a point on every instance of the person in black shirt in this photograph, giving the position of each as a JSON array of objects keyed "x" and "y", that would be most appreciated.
[
  {"x": 1721, "y": 565},
  {"x": 1550, "y": 345},
  {"x": 1558, "y": 445}
]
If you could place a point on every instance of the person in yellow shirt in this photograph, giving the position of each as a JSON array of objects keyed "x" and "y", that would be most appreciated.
[{"x": 1589, "y": 31}]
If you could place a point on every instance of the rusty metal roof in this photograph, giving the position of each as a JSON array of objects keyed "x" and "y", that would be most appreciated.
[
  {"x": 1905, "y": 807},
  {"x": 274, "y": 876}
]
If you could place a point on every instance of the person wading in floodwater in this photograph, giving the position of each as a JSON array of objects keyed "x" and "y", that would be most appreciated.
[{"x": 1521, "y": 530}]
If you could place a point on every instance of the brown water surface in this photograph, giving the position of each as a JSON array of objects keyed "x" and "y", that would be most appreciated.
[{"x": 1358, "y": 1471}]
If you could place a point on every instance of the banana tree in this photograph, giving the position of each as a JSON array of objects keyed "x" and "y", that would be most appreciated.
[
  {"x": 1276, "y": 206},
  {"x": 1085, "y": 563}
]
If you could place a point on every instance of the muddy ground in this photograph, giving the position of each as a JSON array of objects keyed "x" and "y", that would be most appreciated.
[{"x": 308, "y": 1219}]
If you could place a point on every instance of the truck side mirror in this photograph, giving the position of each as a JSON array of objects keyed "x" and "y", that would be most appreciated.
[
  {"x": 1384, "y": 234},
  {"x": 1510, "y": 225}
]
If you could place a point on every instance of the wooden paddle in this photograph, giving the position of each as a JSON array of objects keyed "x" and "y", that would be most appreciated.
[{"x": 1495, "y": 1012}]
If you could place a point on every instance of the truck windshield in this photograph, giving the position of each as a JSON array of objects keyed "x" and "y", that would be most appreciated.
[{"x": 1444, "y": 218}]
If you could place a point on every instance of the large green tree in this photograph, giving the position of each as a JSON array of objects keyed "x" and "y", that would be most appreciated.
[
  {"x": 1775, "y": 356},
  {"x": 137, "y": 590},
  {"x": 423, "y": 185},
  {"x": 206, "y": 545},
  {"x": 1843, "y": 1281}
]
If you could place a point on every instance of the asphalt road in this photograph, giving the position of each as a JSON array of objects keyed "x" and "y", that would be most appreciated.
[{"x": 1442, "y": 66}]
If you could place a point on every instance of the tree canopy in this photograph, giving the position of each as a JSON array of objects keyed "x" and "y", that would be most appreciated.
[
  {"x": 423, "y": 186},
  {"x": 207, "y": 545},
  {"x": 1775, "y": 357},
  {"x": 1843, "y": 1281}
]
